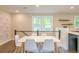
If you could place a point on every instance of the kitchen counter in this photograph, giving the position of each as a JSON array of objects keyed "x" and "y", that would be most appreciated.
[{"x": 74, "y": 32}]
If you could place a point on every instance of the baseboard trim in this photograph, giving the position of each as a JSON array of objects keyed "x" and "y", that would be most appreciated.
[{"x": 5, "y": 42}]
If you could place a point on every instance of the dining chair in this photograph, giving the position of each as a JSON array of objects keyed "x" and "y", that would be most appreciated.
[
  {"x": 30, "y": 46},
  {"x": 64, "y": 38},
  {"x": 17, "y": 43},
  {"x": 48, "y": 46}
]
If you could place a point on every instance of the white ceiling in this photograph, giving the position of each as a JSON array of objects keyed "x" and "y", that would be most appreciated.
[{"x": 40, "y": 9}]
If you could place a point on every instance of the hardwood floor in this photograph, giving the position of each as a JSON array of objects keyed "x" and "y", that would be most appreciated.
[
  {"x": 72, "y": 51},
  {"x": 19, "y": 49},
  {"x": 10, "y": 47},
  {"x": 57, "y": 50}
]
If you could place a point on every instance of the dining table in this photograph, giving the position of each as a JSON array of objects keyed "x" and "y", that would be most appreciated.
[{"x": 39, "y": 39}]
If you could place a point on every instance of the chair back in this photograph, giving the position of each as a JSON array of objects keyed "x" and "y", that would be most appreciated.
[
  {"x": 30, "y": 46},
  {"x": 17, "y": 43},
  {"x": 48, "y": 46}
]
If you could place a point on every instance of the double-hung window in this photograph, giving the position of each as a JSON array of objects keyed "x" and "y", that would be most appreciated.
[
  {"x": 42, "y": 23},
  {"x": 76, "y": 20}
]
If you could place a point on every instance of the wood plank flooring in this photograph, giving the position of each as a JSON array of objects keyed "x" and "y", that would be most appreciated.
[
  {"x": 10, "y": 47},
  {"x": 57, "y": 50}
]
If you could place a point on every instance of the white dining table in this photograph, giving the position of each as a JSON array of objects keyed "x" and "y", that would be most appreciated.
[{"x": 39, "y": 38}]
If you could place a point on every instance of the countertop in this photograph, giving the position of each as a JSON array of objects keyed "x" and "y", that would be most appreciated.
[{"x": 74, "y": 32}]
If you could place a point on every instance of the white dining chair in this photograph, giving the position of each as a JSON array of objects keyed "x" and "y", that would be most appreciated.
[
  {"x": 17, "y": 43},
  {"x": 48, "y": 46},
  {"x": 64, "y": 38},
  {"x": 30, "y": 46}
]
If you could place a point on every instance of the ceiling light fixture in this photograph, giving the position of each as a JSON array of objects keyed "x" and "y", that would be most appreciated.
[
  {"x": 17, "y": 11},
  {"x": 25, "y": 8},
  {"x": 72, "y": 7},
  {"x": 37, "y": 5}
]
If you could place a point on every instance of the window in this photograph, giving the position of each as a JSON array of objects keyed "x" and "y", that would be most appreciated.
[
  {"x": 42, "y": 23},
  {"x": 76, "y": 21},
  {"x": 37, "y": 23},
  {"x": 47, "y": 23}
]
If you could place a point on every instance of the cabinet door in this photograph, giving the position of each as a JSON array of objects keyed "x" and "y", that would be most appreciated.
[{"x": 78, "y": 44}]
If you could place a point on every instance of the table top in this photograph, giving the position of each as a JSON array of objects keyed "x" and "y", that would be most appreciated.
[{"x": 39, "y": 38}]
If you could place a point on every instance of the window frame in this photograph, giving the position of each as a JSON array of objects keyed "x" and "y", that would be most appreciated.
[
  {"x": 75, "y": 22},
  {"x": 42, "y": 25}
]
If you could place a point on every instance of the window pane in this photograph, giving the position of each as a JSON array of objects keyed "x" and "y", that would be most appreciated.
[
  {"x": 37, "y": 20},
  {"x": 36, "y": 23},
  {"x": 47, "y": 20},
  {"x": 37, "y": 29},
  {"x": 47, "y": 29},
  {"x": 47, "y": 23},
  {"x": 77, "y": 24},
  {"x": 42, "y": 23},
  {"x": 47, "y": 26},
  {"x": 77, "y": 21}
]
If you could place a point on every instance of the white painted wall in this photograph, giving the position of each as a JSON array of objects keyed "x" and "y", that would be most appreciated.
[{"x": 5, "y": 27}]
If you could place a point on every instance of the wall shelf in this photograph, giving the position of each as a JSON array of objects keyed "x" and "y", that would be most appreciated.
[
  {"x": 67, "y": 24},
  {"x": 64, "y": 20}
]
